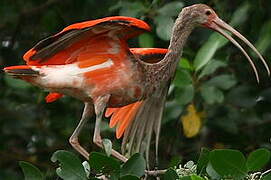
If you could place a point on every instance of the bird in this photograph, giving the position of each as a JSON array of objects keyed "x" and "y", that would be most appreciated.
[{"x": 92, "y": 62}]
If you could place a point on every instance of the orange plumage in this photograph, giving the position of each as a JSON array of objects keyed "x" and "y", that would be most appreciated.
[{"x": 91, "y": 61}]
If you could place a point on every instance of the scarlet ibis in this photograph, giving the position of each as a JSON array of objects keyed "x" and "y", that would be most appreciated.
[{"x": 91, "y": 61}]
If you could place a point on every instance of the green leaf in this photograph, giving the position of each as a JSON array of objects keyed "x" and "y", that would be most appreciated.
[
  {"x": 267, "y": 177},
  {"x": 30, "y": 171},
  {"x": 203, "y": 160},
  {"x": 264, "y": 41},
  {"x": 224, "y": 81},
  {"x": 216, "y": 41},
  {"x": 211, "y": 172},
  {"x": 258, "y": 159},
  {"x": 129, "y": 177},
  {"x": 70, "y": 166},
  {"x": 211, "y": 94},
  {"x": 211, "y": 67},
  {"x": 175, "y": 161},
  {"x": 182, "y": 78},
  {"x": 171, "y": 174},
  {"x": 240, "y": 15},
  {"x": 227, "y": 162},
  {"x": 164, "y": 27},
  {"x": 207, "y": 51},
  {"x": 195, "y": 177},
  {"x": 135, "y": 166},
  {"x": 107, "y": 144},
  {"x": 86, "y": 168},
  {"x": 185, "y": 94},
  {"x": 185, "y": 64},
  {"x": 146, "y": 40},
  {"x": 185, "y": 178},
  {"x": 171, "y": 9},
  {"x": 103, "y": 164}
]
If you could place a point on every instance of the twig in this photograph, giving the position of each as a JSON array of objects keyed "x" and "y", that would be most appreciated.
[
  {"x": 265, "y": 173},
  {"x": 103, "y": 177},
  {"x": 155, "y": 172}
]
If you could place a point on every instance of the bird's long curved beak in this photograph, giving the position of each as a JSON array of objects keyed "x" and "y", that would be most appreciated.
[{"x": 219, "y": 26}]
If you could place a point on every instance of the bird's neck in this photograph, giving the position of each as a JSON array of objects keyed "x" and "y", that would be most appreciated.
[
  {"x": 180, "y": 34},
  {"x": 165, "y": 69}
]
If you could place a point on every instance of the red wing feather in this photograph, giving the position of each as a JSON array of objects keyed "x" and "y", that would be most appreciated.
[
  {"x": 127, "y": 21},
  {"x": 51, "y": 97},
  {"x": 58, "y": 48},
  {"x": 122, "y": 117},
  {"x": 149, "y": 55}
]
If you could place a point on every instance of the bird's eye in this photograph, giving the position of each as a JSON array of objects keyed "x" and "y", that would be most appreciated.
[{"x": 208, "y": 12}]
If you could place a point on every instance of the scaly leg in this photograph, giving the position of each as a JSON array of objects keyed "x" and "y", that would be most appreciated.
[
  {"x": 88, "y": 110},
  {"x": 100, "y": 105}
]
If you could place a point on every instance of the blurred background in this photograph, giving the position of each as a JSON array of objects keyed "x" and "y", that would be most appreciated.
[{"x": 214, "y": 101}]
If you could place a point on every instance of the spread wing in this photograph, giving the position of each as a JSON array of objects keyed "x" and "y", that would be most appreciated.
[
  {"x": 149, "y": 55},
  {"x": 91, "y": 42},
  {"x": 82, "y": 41}
]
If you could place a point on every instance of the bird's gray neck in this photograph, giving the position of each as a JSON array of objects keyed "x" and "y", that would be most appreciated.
[
  {"x": 181, "y": 31},
  {"x": 165, "y": 69}
]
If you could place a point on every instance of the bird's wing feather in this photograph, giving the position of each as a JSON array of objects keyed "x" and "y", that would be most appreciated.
[
  {"x": 149, "y": 55},
  {"x": 139, "y": 120},
  {"x": 122, "y": 117},
  {"x": 99, "y": 35},
  {"x": 137, "y": 138}
]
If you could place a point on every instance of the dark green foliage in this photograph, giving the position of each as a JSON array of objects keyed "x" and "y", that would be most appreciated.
[
  {"x": 203, "y": 160},
  {"x": 212, "y": 75},
  {"x": 170, "y": 174},
  {"x": 215, "y": 164},
  {"x": 228, "y": 163},
  {"x": 258, "y": 159},
  {"x": 135, "y": 166},
  {"x": 101, "y": 163},
  {"x": 70, "y": 166},
  {"x": 30, "y": 172}
]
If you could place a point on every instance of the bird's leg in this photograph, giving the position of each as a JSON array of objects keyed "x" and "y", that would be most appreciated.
[
  {"x": 88, "y": 110},
  {"x": 100, "y": 105}
]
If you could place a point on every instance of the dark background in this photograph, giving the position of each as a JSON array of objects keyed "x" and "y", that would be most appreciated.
[{"x": 231, "y": 109}]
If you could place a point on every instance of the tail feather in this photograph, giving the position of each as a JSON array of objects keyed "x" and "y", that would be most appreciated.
[
  {"x": 27, "y": 73},
  {"x": 21, "y": 71}
]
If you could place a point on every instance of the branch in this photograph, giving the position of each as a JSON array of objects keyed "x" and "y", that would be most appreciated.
[{"x": 155, "y": 172}]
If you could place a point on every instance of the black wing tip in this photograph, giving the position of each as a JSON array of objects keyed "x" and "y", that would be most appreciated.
[{"x": 22, "y": 72}]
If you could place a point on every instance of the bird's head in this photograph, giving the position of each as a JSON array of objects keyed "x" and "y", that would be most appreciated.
[
  {"x": 199, "y": 14},
  {"x": 203, "y": 15}
]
